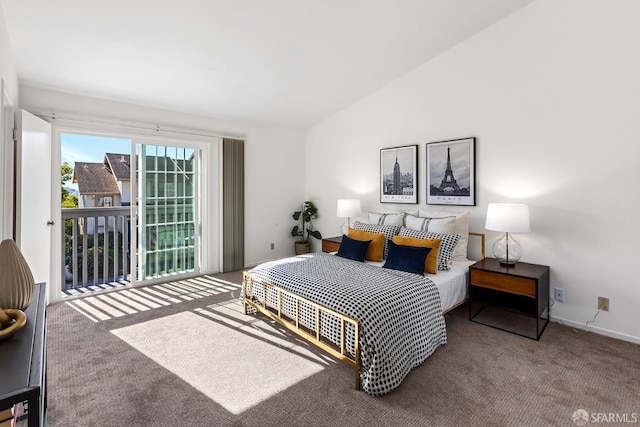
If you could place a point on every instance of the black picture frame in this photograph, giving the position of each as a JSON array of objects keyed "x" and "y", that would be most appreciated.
[
  {"x": 399, "y": 174},
  {"x": 451, "y": 172}
]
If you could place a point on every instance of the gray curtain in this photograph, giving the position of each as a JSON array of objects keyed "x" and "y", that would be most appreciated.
[{"x": 232, "y": 204}]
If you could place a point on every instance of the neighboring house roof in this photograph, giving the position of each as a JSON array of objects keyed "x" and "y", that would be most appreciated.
[
  {"x": 94, "y": 178},
  {"x": 119, "y": 164}
]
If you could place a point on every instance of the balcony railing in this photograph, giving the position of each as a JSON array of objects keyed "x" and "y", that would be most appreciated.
[{"x": 95, "y": 248}]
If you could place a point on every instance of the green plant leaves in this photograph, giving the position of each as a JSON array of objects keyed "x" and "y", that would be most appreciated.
[
  {"x": 303, "y": 230},
  {"x": 315, "y": 234}
]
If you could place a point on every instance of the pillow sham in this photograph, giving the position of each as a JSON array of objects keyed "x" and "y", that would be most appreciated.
[
  {"x": 386, "y": 218},
  {"x": 437, "y": 225},
  {"x": 460, "y": 227},
  {"x": 353, "y": 249},
  {"x": 431, "y": 263},
  {"x": 374, "y": 253},
  {"x": 447, "y": 244},
  {"x": 388, "y": 230},
  {"x": 414, "y": 212},
  {"x": 406, "y": 258}
]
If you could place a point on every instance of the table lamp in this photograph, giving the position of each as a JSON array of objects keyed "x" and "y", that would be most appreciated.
[
  {"x": 509, "y": 218},
  {"x": 346, "y": 209}
]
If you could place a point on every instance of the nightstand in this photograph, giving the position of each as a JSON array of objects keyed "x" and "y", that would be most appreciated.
[
  {"x": 521, "y": 288},
  {"x": 331, "y": 244}
]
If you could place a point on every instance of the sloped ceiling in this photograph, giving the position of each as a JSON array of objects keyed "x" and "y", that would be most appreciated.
[{"x": 282, "y": 62}]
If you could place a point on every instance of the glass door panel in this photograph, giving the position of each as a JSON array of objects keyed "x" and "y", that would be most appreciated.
[{"x": 168, "y": 210}]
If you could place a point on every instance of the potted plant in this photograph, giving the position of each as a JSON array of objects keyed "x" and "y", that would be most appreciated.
[{"x": 304, "y": 228}]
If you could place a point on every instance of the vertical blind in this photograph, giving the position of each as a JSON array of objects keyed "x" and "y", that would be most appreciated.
[{"x": 232, "y": 204}]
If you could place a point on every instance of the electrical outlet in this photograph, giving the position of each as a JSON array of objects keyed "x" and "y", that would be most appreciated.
[
  {"x": 558, "y": 294},
  {"x": 273, "y": 246},
  {"x": 603, "y": 303}
]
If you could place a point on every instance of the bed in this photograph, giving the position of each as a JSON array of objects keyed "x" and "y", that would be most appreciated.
[{"x": 382, "y": 322}]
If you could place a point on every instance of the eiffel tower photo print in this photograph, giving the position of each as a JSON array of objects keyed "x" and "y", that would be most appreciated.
[
  {"x": 399, "y": 174},
  {"x": 451, "y": 172}
]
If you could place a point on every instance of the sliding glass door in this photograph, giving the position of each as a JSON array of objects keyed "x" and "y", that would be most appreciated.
[
  {"x": 169, "y": 216},
  {"x": 148, "y": 210}
]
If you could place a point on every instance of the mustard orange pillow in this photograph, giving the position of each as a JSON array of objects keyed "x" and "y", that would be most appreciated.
[
  {"x": 374, "y": 253},
  {"x": 431, "y": 263}
]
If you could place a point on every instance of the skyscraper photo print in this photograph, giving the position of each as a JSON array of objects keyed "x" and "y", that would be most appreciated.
[{"x": 399, "y": 174}]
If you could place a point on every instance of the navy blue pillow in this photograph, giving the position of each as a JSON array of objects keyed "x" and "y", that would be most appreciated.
[
  {"x": 406, "y": 258},
  {"x": 353, "y": 249}
]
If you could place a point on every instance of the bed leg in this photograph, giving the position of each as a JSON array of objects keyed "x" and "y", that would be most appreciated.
[{"x": 357, "y": 354}]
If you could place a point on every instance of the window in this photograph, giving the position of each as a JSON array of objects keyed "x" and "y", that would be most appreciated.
[{"x": 105, "y": 202}]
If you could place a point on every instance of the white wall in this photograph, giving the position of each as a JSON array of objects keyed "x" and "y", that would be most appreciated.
[
  {"x": 125, "y": 192},
  {"x": 8, "y": 100},
  {"x": 551, "y": 93},
  {"x": 7, "y": 64},
  {"x": 274, "y": 162}
]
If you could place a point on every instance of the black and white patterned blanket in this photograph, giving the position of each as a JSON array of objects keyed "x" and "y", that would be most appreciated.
[{"x": 400, "y": 313}]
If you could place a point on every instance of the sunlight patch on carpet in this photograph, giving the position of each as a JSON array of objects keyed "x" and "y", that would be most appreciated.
[
  {"x": 224, "y": 354},
  {"x": 129, "y": 301}
]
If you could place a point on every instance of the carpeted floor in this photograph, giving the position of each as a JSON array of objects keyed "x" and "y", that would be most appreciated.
[{"x": 183, "y": 354}]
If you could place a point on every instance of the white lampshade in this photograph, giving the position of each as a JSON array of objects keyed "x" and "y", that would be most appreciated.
[
  {"x": 348, "y": 208},
  {"x": 508, "y": 217}
]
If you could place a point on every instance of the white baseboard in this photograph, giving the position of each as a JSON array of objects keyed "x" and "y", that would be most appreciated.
[{"x": 596, "y": 330}]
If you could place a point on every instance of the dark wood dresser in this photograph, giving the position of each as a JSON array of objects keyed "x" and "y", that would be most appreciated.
[{"x": 23, "y": 362}]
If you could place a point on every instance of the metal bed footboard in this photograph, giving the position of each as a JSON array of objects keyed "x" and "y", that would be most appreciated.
[{"x": 294, "y": 324}]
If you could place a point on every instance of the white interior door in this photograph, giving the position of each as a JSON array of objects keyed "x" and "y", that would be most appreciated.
[{"x": 33, "y": 194}]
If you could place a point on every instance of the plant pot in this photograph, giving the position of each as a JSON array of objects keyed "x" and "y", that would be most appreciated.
[{"x": 303, "y": 248}]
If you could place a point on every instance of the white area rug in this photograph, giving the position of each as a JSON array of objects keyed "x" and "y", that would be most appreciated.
[{"x": 235, "y": 360}]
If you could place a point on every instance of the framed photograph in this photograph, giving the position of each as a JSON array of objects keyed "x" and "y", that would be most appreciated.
[
  {"x": 399, "y": 174},
  {"x": 451, "y": 172}
]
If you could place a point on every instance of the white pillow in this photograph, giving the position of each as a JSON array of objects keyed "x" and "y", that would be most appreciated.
[
  {"x": 362, "y": 219},
  {"x": 386, "y": 218},
  {"x": 436, "y": 225},
  {"x": 461, "y": 227},
  {"x": 385, "y": 209}
]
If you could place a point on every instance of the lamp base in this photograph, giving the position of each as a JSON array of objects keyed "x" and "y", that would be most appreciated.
[
  {"x": 507, "y": 264},
  {"x": 344, "y": 228},
  {"x": 507, "y": 250}
]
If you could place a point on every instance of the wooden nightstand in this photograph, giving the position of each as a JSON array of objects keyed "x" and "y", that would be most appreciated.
[
  {"x": 331, "y": 244},
  {"x": 521, "y": 288}
]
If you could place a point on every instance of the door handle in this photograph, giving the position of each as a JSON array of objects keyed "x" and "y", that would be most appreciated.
[{"x": 50, "y": 222}]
